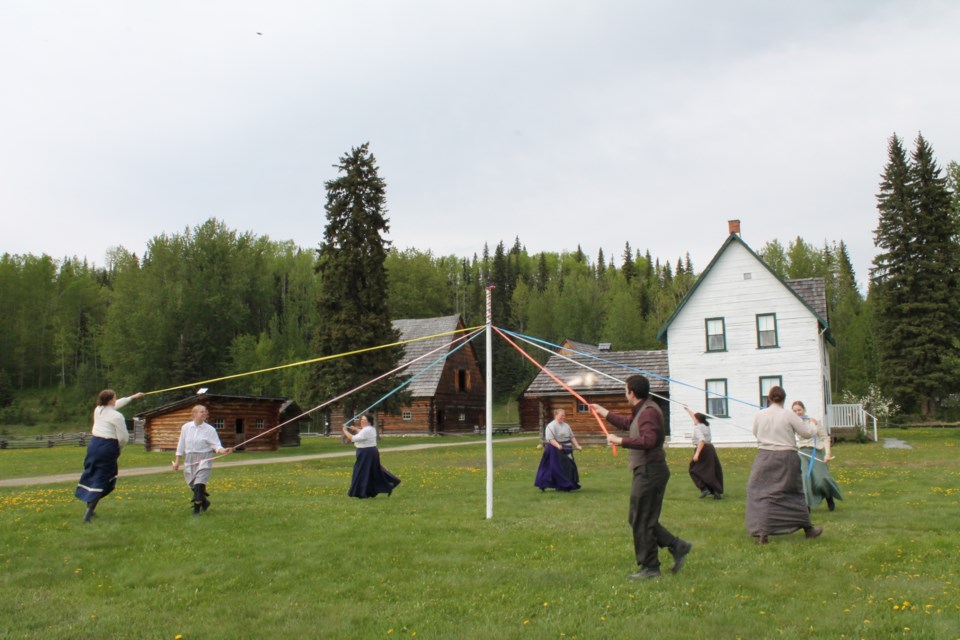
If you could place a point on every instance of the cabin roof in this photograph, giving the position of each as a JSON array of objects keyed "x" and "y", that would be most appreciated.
[
  {"x": 619, "y": 364},
  {"x": 203, "y": 398},
  {"x": 425, "y": 385}
]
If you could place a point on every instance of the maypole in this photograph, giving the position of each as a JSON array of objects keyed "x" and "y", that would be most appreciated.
[{"x": 489, "y": 290}]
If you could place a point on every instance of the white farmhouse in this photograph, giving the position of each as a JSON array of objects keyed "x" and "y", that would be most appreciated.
[{"x": 740, "y": 330}]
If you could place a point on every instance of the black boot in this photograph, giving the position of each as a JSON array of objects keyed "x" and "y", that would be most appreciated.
[
  {"x": 204, "y": 503},
  {"x": 198, "y": 498},
  {"x": 831, "y": 505},
  {"x": 91, "y": 508}
]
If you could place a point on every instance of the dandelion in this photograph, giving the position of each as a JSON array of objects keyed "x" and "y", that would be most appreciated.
[
  {"x": 178, "y": 637},
  {"x": 526, "y": 622}
]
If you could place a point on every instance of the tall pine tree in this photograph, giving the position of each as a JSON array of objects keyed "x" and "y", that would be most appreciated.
[
  {"x": 914, "y": 278},
  {"x": 352, "y": 304}
]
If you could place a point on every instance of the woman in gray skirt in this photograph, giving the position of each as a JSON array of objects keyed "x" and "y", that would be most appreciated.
[
  {"x": 775, "y": 501},
  {"x": 198, "y": 442}
]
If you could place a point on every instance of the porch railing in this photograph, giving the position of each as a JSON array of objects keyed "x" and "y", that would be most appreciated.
[{"x": 847, "y": 416}]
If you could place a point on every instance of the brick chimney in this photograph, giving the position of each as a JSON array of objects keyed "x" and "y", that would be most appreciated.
[{"x": 734, "y": 226}]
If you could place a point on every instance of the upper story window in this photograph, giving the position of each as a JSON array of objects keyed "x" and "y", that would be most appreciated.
[
  {"x": 717, "y": 398},
  {"x": 716, "y": 334},
  {"x": 766, "y": 383},
  {"x": 767, "y": 331},
  {"x": 463, "y": 380}
]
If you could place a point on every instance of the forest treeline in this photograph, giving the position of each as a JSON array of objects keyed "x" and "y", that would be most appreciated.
[{"x": 212, "y": 301}]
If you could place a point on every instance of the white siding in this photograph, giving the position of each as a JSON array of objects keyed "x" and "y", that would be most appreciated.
[{"x": 725, "y": 293}]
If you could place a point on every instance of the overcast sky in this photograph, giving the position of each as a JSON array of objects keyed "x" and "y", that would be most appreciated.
[{"x": 594, "y": 122}]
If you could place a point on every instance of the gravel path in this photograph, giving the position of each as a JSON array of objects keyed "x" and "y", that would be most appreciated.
[{"x": 144, "y": 471}]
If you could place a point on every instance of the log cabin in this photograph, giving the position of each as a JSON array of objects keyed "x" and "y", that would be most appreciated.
[
  {"x": 449, "y": 397},
  {"x": 606, "y": 388},
  {"x": 237, "y": 419}
]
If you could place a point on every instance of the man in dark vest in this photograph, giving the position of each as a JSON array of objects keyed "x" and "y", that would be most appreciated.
[{"x": 650, "y": 475}]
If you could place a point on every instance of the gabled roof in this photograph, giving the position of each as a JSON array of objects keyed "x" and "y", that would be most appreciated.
[
  {"x": 426, "y": 384},
  {"x": 613, "y": 363},
  {"x": 811, "y": 292},
  {"x": 204, "y": 398}
]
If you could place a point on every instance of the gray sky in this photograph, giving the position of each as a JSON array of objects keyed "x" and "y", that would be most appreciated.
[{"x": 564, "y": 123}]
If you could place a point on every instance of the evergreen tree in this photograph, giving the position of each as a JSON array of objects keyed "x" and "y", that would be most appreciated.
[
  {"x": 352, "y": 306},
  {"x": 629, "y": 266},
  {"x": 915, "y": 278}
]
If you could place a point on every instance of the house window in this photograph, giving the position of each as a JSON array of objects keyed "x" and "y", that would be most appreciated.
[
  {"x": 408, "y": 416},
  {"x": 463, "y": 380},
  {"x": 582, "y": 408},
  {"x": 767, "y": 330},
  {"x": 716, "y": 334},
  {"x": 259, "y": 424},
  {"x": 717, "y": 398},
  {"x": 218, "y": 424},
  {"x": 462, "y": 417},
  {"x": 766, "y": 382}
]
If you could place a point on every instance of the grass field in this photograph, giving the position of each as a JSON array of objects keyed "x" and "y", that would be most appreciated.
[{"x": 283, "y": 553}]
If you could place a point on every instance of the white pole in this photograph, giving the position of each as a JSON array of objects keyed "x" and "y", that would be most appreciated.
[{"x": 489, "y": 402}]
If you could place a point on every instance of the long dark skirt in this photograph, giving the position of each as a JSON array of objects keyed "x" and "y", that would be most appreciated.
[
  {"x": 369, "y": 478},
  {"x": 100, "y": 469},
  {"x": 558, "y": 469},
  {"x": 707, "y": 473},
  {"x": 775, "y": 503},
  {"x": 817, "y": 484}
]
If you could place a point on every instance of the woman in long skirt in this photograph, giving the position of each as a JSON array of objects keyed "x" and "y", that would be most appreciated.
[
  {"x": 369, "y": 476},
  {"x": 705, "y": 469},
  {"x": 558, "y": 470},
  {"x": 775, "y": 502},
  {"x": 108, "y": 437},
  {"x": 818, "y": 484}
]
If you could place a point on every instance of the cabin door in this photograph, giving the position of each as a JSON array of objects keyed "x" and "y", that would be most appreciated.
[{"x": 240, "y": 436}]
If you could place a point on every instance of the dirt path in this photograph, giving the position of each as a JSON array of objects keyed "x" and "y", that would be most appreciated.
[{"x": 144, "y": 471}]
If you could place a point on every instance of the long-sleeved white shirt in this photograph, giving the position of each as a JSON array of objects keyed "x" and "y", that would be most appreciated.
[
  {"x": 197, "y": 438},
  {"x": 110, "y": 423},
  {"x": 366, "y": 437},
  {"x": 777, "y": 428}
]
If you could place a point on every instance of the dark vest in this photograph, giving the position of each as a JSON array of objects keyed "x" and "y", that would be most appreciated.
[{"x": 638, "y": 457}]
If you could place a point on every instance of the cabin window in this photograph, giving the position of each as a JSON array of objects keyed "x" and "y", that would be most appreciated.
[
  {"x": 717, "y": 397},
  {"x": 218, "y": 424},
  {"x": 260, "y": 423},
  {"x": 408, "y": 416},
  {"x": 716, "y": 334},
  {"x": 582, "y": 408},
  {"x": 463, "y": 380},
  {"x": 462, "y": 417},
  {"x": 766, "y": 383},
  {"x": 767, "y": 331}
]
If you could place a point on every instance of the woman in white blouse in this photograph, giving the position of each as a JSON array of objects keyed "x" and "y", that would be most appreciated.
[
  {"x": 705, "y": 469},
  {"x": 818, "y": 484},
  {"x": 108, "y": 437},
  {"x": 369, "y": 477}
]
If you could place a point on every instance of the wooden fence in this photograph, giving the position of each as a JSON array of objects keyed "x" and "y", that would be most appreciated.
[{"x": 45, "y": 442}]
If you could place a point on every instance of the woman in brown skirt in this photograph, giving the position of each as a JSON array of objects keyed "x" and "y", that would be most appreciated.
[
  {"x": 775, "y": 501},
  {"x": 705, "y": 469}
]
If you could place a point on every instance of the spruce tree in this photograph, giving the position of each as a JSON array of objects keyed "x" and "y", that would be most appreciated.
[
  {"x": 914, "y": 278},
  {"x": 352, "y": 300}
]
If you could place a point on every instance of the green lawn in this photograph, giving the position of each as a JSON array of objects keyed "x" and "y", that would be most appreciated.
[{"x": 283, "y": 553}]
